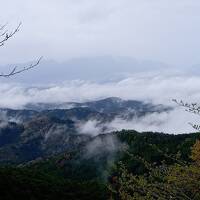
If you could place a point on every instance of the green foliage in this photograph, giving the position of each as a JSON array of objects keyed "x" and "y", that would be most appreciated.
[
  {"x": 150, "y": 166},
  {"x": 196, "y": 152},
  {"x": 177, "y": 177},
  {"x": 155, "y": 149},
  {"x": 172, "y": 182},
  {"x": 22, "y": 183}
]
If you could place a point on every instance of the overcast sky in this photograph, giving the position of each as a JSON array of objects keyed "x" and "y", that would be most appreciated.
[
  {"x": 166, "y": 31},
  {"x": 80, "y": 39}
]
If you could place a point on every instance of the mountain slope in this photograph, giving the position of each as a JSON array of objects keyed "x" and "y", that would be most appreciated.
[
  {"x": 84, "y": 172},
  {"x": 30, "y": 134}
]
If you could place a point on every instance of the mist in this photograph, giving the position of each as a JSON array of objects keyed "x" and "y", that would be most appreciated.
[{"x": 155, "y": 88}]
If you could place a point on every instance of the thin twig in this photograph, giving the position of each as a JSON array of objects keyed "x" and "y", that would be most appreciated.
[
  {"x": 6, "y": 34},
  {"x": 15, "y": 71}
]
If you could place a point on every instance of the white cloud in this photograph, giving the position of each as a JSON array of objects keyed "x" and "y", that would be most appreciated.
[
  {"x": 155, "y": 88},
  {"x": 109, "y": 144},
  {"x": 158, "y": 30},
  {"x": 174, "y": 122},
  {"x": 91, "y": 127}
]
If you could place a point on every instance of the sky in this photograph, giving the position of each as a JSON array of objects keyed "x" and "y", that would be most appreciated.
[
  {"x": 144, "y": 50},
  {"x": 165, "y": 31}
]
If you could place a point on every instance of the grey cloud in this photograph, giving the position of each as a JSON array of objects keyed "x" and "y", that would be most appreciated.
[
  {"x": 155, "y": 30},
  {"x": 146, "y": 87},
  {"x": 91, "y": 127},
  {"x": 173, "y": 122}
]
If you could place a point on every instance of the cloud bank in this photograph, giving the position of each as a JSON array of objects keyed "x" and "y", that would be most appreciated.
[
  {"x": 154, "y": 88},
  {"x": 173, "y": 122},
  {"x": 158, "y": 89}
]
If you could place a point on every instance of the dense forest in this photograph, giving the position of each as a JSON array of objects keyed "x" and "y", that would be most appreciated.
[{"x": 143, "y": 166}]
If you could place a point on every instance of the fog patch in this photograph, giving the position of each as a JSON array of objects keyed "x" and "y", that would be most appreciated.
[
  {"x": 108, "y": 143},
  {"x": 55, "y": 131},
  {"x": 91, "y": 127},
  {"x": 173, "y": 122},
  {"x": 3, "y": 116},
  {"x": 155, "y": 88},
  {"x": 104, "y": 150},
  {"x": 3, "y": 124}
]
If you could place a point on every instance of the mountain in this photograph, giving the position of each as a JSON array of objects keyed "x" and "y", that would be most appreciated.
[
  {"x": 36, "y": 132},
  {"x": 107, "y": 105},
  {"x": 88, "y": 171},
  {"x": 39, "y": 137},
  {"x": 45, "y": 155}
]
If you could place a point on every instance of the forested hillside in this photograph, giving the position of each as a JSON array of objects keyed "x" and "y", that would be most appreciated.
[{"x": 121, "y": 165}]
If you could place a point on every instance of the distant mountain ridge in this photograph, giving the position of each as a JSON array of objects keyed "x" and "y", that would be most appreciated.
[
  {"x": 101, "y": 110},
  {"x": 48, "y": 129},
  {"x": 107, "y": 105}
]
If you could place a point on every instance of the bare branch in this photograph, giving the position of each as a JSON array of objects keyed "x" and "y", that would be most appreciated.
[
  {"x": 192, "y": 108},
  {"x": 3, "y": 27},
  {"x": 15, "y": 71},
  {"x": 189, "y": 107},
  {"x": 195, "y": 126},
  {"x": 7, "y": 35}
]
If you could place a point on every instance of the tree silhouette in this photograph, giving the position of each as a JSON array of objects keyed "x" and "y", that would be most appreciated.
[
  {"x": 5, "y": 35},
  {"x": 192, "y": 108}
]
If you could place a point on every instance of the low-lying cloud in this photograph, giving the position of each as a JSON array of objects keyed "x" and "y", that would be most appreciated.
[
  {"x": 173, "y": 122},
  {"x": 158, "y": 89},
  {"x": 154, "y": 88},
  {"x": 91, "y": 127}
]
